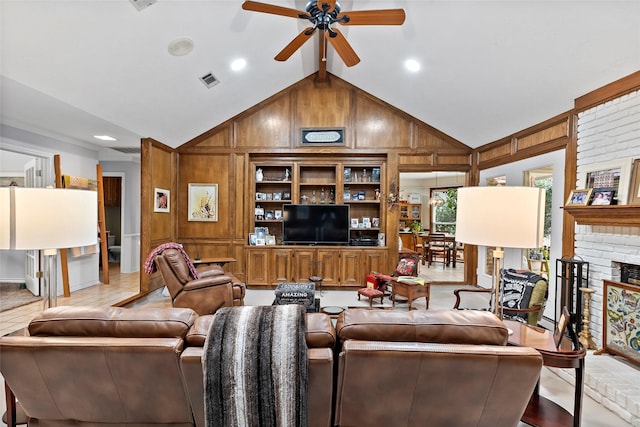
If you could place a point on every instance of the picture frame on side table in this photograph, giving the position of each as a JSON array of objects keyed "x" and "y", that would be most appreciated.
[
  {"x": 579, "y": 197},
  {"x": 203, "y": 202},
  {"x": 634, "y": 188},
  {"x": 252, "y": 239},
  {"x": 614, "y": 174},
  {"x": 271, "y": 240},
  {"x": 161, "y": 200}
]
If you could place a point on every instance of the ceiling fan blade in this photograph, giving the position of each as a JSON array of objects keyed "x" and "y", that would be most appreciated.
[
  {"x": 331, "y": 3},
  {"x": 374, "y": 17},
  {"x": 342, "y": 46},
  {"x": 255, "y": 6},
  {"x": 295, "y": 44}
]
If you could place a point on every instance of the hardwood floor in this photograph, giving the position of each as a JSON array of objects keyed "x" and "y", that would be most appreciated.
[{"x": 121, "y": 287}]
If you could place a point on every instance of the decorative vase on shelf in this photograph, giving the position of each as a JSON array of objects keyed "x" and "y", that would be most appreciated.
[{"x": 259, "y": 175}]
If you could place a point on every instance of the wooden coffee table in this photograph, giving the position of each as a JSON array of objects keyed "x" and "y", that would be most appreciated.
[
  {"x": 542, "y": 411},
  {"x": 411, "y": 291}
]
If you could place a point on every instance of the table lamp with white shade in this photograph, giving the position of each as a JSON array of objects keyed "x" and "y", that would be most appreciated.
[
  {"x": 47, "y": 219},
  {"x": 502, "y": 217}
]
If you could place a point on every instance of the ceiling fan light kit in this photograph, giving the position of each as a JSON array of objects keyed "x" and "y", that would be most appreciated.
[{"x": 323, "y": 15}]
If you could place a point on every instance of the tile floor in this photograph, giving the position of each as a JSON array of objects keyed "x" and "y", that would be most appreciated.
[{"x": 616, "y": 384}]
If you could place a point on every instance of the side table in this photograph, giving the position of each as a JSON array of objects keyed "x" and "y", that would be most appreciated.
[
  {"x": 411, "y": 291},
  {"x": 221, "y": 261},
  {"x": 541, "y": 411}
]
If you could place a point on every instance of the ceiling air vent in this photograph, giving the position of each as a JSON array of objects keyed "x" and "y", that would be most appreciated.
[
  {"x": 209, "y": 80},
  {"x": 127, "y": 150},
  {"x": 142, "y": 4}
]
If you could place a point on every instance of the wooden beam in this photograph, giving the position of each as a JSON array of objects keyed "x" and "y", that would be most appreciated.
[
  {"x": 64, "y": 261},
  {"x": 322, "y": 57},
  {"x": 104, "y": 239}
]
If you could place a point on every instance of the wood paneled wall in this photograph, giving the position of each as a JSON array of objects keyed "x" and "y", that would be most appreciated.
[
  {"x": 157, "y": 227},
  {"x": 273, "y": 128}
]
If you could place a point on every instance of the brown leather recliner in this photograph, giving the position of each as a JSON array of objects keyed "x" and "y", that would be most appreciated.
[
  {"x": 205, "y": 295},
  {"x": 437, "y": 368}
]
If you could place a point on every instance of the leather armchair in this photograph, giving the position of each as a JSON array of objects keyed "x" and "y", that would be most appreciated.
[{"x": 204, "y": 295}]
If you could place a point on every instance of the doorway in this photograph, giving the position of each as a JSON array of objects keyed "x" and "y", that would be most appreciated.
[
  {"x": 419, "y": 191},
  {"x": 112, "y": 183}
]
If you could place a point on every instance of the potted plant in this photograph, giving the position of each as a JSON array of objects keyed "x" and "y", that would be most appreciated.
[{"x": 415, "y": 227}]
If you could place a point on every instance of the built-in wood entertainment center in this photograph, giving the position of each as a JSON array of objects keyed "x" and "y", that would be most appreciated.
[{"x": 359, "y": 184}]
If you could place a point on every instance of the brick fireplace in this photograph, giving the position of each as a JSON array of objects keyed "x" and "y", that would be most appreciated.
[
  {"x": 608, "y": 135},
  {"x": 608, "y": 239}
]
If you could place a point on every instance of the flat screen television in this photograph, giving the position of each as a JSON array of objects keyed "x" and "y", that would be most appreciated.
[{"x": 315, "y": 224}]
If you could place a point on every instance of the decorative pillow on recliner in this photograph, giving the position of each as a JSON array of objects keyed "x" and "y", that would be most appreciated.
[
  {"x": 406, "y": 267},
  {"x": 517, "y": 291}
]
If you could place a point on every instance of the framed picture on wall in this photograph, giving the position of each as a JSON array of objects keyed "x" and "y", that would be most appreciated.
[
  {"x": 203, "y": 202},
  {"x": 161, "y": 200}
]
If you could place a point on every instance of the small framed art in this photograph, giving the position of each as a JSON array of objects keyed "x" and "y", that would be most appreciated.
[
  {"x": 161, "y": 200},
  {"x": 579, "y": 197},
  {"x": 203, "y": 202}
]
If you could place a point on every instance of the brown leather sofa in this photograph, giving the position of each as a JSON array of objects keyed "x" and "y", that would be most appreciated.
[
  {"x": 437, "y": 368},
  {"x": 88, "y": 367},
  {"x": 321, "y": 339},
  {"x": 213, "y": 289}
]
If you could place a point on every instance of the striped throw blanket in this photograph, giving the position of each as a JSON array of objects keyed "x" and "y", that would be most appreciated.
[{"x": 256, "y": 367}]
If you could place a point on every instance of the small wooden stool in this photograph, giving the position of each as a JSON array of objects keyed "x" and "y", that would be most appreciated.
[{"x": 371, "y": 294}]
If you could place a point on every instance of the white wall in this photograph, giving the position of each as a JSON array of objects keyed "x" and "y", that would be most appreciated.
[
  {"x": 514, "y": 173},
  {"x": 76, "y": 161}
]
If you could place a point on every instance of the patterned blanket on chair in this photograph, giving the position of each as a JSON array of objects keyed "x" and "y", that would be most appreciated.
[{"x": 255, "y": 367}]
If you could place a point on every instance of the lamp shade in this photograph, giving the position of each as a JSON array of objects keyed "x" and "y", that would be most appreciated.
[
  {"x": 47, "y": 218},
  {"x": 508, "y": 217}
]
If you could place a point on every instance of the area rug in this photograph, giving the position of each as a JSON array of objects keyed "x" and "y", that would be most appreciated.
[
  {"x": 255, "y": 367},
  {"x": 11, "y": 296}
]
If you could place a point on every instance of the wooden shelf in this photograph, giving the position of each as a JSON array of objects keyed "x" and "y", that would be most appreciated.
[{"x": 617, "y": 215}]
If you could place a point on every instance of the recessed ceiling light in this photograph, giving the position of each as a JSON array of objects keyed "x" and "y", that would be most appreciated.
[
  {"x": 105, "y": 138},
  {"x": 180, "y": 46},
  {"x": 238, "y": 64},
  {"x": 412, "y": 65}
]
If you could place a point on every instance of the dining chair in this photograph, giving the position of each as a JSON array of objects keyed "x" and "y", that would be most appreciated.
[{"x": 438, "y": 248}]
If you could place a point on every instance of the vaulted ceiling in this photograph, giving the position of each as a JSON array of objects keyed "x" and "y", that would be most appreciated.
[{"x": 74, "y": 69}]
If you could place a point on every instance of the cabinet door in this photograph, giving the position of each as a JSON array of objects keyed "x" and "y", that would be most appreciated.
[
  {"x": 374, "y": 261},
  {"x": 351, "y": 268},
  {"x": 329, "y": 266},
  {"x": 303, "y": 264},
  {"x": 258, "y": 267},
  {"x": 280, "y": 266}
]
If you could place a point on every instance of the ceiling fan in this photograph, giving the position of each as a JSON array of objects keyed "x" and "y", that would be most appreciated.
[{"x": 323, "y": 15}]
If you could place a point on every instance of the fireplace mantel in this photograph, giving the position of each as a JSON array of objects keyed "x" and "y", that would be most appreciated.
[{"x": 617, "y": 215}]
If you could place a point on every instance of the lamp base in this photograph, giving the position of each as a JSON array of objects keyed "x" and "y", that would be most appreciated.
[{"x": 50, "y": 288}]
